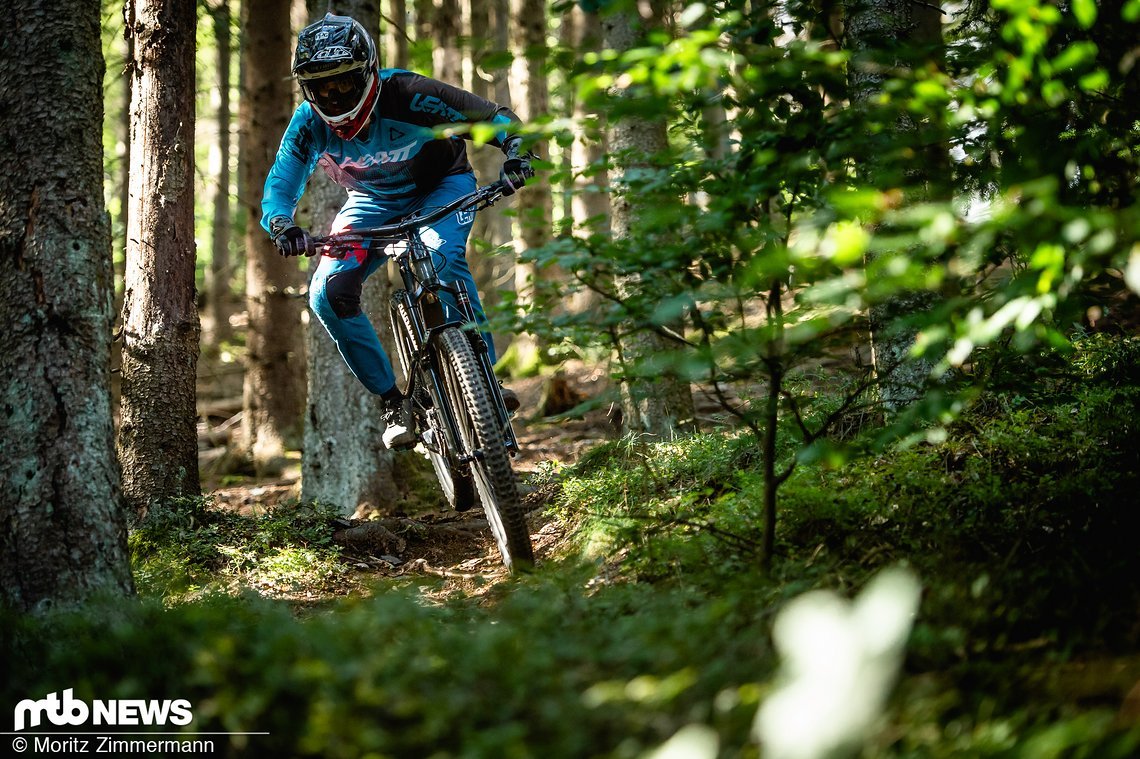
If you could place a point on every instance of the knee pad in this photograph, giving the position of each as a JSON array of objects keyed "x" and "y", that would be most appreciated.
[{"x": 342, "y": 289}]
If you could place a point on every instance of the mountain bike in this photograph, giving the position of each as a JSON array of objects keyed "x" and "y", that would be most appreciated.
[{"x": 461, "y": 420}]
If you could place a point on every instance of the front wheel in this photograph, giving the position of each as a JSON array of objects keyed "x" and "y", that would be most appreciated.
[
  {"x": 485, "y": 441},
  {"x": 454, "y": 481}
]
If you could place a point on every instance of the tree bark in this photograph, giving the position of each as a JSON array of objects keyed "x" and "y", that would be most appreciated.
[
  {"x": 590, "y": 200},
  {"x": 662, "y": 407},
  {"x": 158, "y": 441},
  {"x": 447, "y": 56},
  {"x": 345, "y": 463},
  {"x": 421, "y": 53},
  {"x": 218, "y": 273},
  {"x": 64, "y": 536},
  {"x": 884, "y": 35},
  {"x": 493, "y": 271},
  {"x": 394, "y": 52},
  {"x": 532, "y": 95},
  {"x": 124, "y": 168},
  {"x": 274, "y": 397},
  {"x": 502, "y": 228}
]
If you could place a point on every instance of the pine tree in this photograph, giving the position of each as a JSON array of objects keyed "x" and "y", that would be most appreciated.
[
  {"x": 344, "y": 463},
  {"x": 64, "y": 536},
  {"x": 886, "y": 35},
  {"x": 274, "y": 396},
  {"x": 660, "y": 406},
  {"x": 218, "y": 274},
  {"x": 158, "y": 441}
]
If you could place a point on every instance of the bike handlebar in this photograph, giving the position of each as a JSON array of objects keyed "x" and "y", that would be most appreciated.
[{"x": 481, "y": 197}]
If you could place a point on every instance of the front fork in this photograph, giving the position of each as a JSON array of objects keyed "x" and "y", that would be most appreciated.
[
  {"x": 420, "y": 279},
  {"x": 483, "y": 356},
  {"x": 426, "y": 330}
]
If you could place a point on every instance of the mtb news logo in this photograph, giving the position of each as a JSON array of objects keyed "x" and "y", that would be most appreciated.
[{"x": 69, "y": 710}]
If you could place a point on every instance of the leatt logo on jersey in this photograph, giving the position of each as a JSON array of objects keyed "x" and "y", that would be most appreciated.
[
  {"x": 399, "y": 154},
  {"x": 432, "y": 104},
  {"x": 332, "y": 54},
  {"x": 387, "y": 156}
]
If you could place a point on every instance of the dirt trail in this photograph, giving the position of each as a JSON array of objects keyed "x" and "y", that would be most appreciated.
[
  {"x": 457, "y": 546},
  {"x": 448, "y": 544}
]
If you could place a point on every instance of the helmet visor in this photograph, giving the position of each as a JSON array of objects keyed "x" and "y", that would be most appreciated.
[{"x": 338, "y": 94}]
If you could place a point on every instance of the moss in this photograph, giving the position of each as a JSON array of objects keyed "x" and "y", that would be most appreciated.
[
  {"x": 519, "y": 363},
  {"x": 188, "y": 548}
]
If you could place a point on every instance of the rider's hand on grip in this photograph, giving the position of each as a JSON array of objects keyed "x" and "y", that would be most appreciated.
[
  {"x": 516, "y": 169},
  {"x": 514, "y": 174},
  {"x": 295, "y": 241}
]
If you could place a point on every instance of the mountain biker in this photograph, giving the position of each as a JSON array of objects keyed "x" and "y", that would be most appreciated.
[{"x": 371, "y": 131}]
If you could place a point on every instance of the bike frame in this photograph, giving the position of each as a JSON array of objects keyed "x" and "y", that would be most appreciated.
[{"x": 421, "y": 296}]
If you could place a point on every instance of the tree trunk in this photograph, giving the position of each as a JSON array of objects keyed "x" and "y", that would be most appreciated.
[
  {"x": 491, "y": 230},
  {"x": 502, "y": 228},
  {"x": 119, "y": 236},
  {"x": 447, "y": 57},
  {"x": 218, "y": 292},
  {"x": 64, "y": 537},
  {"x": 882, "y": 35},
  {"x": 124, "y": 168},
  {"x": 590, "y": 200},
  {"x": 394, "y": 52},
  {"x": 158, "y": 441},
  {"x": 569, "y": 38},
  {"x": 662, "y": 407},
  {"x": 274, "y": 397},
  {"x": 421, "y": 52},
  {"x": 345, "y": 463},
  {"x": 532, "y": 95}
]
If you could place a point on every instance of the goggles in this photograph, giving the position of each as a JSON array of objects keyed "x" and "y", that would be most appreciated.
[{"x": 338, "y": 94}]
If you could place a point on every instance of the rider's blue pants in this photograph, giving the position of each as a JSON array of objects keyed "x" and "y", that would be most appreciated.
[{"x": 334, "y": 292}]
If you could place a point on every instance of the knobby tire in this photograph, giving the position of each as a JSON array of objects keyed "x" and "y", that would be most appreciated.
[{"x": 480, "y": 427}]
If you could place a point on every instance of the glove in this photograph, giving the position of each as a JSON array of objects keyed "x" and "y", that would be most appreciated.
[
  {"x": 293, "y": 241},
  {"x": 516, "y": 169},
  {"x": 514, "y": 174}
]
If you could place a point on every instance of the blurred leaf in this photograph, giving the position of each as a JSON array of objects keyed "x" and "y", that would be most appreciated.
[
  {"x": 1132, "y": 269},
  {"x": 1085, "y": 12}
]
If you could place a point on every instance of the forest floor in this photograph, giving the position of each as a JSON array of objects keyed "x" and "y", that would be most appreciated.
[
  {"x": 453, "y": 545},
  {"x": 649, "y": 609},
  {"x": 418, "y": 540}
]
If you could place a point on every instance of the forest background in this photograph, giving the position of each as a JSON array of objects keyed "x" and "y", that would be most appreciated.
[{"x": 860, "y": 277}]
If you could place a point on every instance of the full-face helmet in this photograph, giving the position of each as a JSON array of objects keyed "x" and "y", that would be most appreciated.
[{"x": 336, "y": 66}]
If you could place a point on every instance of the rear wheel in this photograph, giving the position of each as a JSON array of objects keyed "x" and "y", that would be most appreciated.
[
  {"x": 454, "y": 479},
  {"x": 484, "y": 437}
]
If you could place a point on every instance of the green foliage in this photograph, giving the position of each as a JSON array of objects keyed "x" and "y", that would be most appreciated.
[
  {"x": 1104, "y": 359},
  {"x": 614, "y": 673},
  {"x": 189, "y": 548},
  {"x": 669, "y": 499},
  {"x": 1017, "y": 514},
  {"x": 1019, "y": 524},
  {"x": 972, "y": 203},
  {"x": 1021, "y": 474},
  {"x": 917, "y": 179}
]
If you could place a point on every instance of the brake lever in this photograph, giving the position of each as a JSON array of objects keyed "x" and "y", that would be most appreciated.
[
  {"x": 335, "y": 246},
  {"x": 333, "y": 250}
]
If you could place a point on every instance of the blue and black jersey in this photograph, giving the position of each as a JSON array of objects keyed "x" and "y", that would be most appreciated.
[{"x": 396, "y": 156}]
